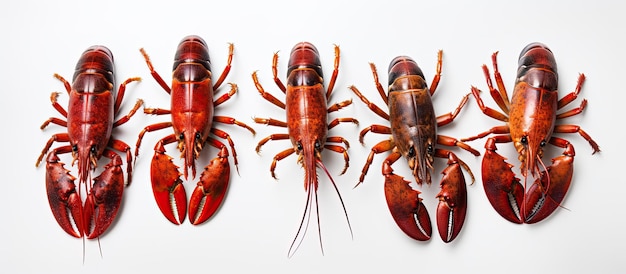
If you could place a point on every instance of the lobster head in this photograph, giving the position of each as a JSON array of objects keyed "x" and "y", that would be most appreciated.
[
  {"x": 86, "y": 153},
  {"x": 415, "y": 135},
  {"x": 190, "y": 144},
  {"x": 533, "y": 118},
  {"x": 309, "y": 155}
]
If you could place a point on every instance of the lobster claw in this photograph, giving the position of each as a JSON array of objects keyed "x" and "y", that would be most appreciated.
[
  {"x": 167, "y": 186},
  {"x": 452, "y": 201},
  {"x": 208, "y": 195},
  {"x": 406, "y": 206},
  {"x": 547, "y": 192},
  {"x": 62, "y": 196},
  {"x": 503, "y": 189},
  {"x": 104, "y": 199}
]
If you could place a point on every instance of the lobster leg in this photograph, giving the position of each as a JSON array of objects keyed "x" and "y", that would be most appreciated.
[
  {"x": 209, "y": 193},
  {"x": 268, "y": 96},
  {"x": 62, "y": 195},
  {"x": 231, "y": 49},
  {"x": 404, "y": 203},
  {"x": 373, "y": 107},
  {"x": 452, "y": 200},
  {"x": 503, "y": 189},
  {"x": 104, "y": 199},
  {"x": 167, "y": 186},
  {"x": 548, "y": 191},
  {"x": 381, "y": 147}
]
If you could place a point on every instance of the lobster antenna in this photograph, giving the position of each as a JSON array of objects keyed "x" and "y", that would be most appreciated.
[
  {"x": 86, "y": 189},
  {"x": 100, "y": 247},
  {"x": 305, "y": 216},
  {"x": 548, "y": 186},
  {"x": 83, "y": 250},
  {"x": 345, "y": 212},
  {"x": 522, "y": 209},
  {"x": 547, "y": 173},
  {"x": 319, "y": 228}
]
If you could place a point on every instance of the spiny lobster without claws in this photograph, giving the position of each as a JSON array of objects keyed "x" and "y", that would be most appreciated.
[
  {"x": 93, "y": 106},
  {"x": 306, "y": 106},
  {"x": 192, "y": 119},
  {"x": 530, "y": 118},
  {"x": 413, "y": 128}
]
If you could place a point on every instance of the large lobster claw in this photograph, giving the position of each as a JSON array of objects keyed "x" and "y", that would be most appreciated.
[
  {"x": 503, "y": 189},
  {"x": 506, "y": 193},
  {"x": 167, "y": 186},
  {"x": 208, "y": 195},
  {"x": 406, "y": 206},
  {"x": 62, "y": 196},
  {"x": 104, "y": 199},
  {"x": 452, "y": 200},
  {"x": 547, "y": 192}
]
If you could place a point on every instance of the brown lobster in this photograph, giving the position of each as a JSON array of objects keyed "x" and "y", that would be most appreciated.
[
  {"x": 413, "y": 128},
  {"x": 192, "y": 117},
  {"x": 89, "y": 119},
  {"x": 530, "y": 118},
  {"x": 307, "y": 122}
]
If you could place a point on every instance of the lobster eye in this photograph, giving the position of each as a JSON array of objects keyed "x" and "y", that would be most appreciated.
[
  {"x": 75, "y": 148},
  {"x": 317, "y": 145},
  {"x": 430, "y": 149},
  {"x": 411, "y": 152},
  {"x": 93, "y": 149},
  {"x": 198, "y": 136},
  {"x": 524, "y": 140},
  {"x": 543, "y": 143},
  {"x": 181, "y": 136},
  {"x": 299, "y": 146}
]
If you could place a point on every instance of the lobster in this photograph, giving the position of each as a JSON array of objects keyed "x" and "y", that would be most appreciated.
[
  {"x": 89, "y": 119},
  {"x": 307, "y": 123},
  {"x": 192, "y": 118},
  {"x": 530, "y": 118},
  {"x": 413, "y": 128}
]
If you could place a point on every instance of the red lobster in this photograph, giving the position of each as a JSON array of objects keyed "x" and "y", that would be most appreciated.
[
  {"x": 93, "y": 105},
  {"x": 307, "y": 121},
  {"x": 530, "y": 119},
  {"x": 413, "y": 129},
  {"x": 192, "y": 120}
]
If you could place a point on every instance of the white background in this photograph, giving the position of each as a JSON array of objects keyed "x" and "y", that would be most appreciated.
[{"x": 260, "y": 216}]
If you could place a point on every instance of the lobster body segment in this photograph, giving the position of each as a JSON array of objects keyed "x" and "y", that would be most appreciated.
[
  {"x": 413, "y": 127},
  {"x": 192, "y": 120},
  {"x": 93, "y": 105},
  {"x": 531, "y": 119},
  {"x": 306, "y": 107}
]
